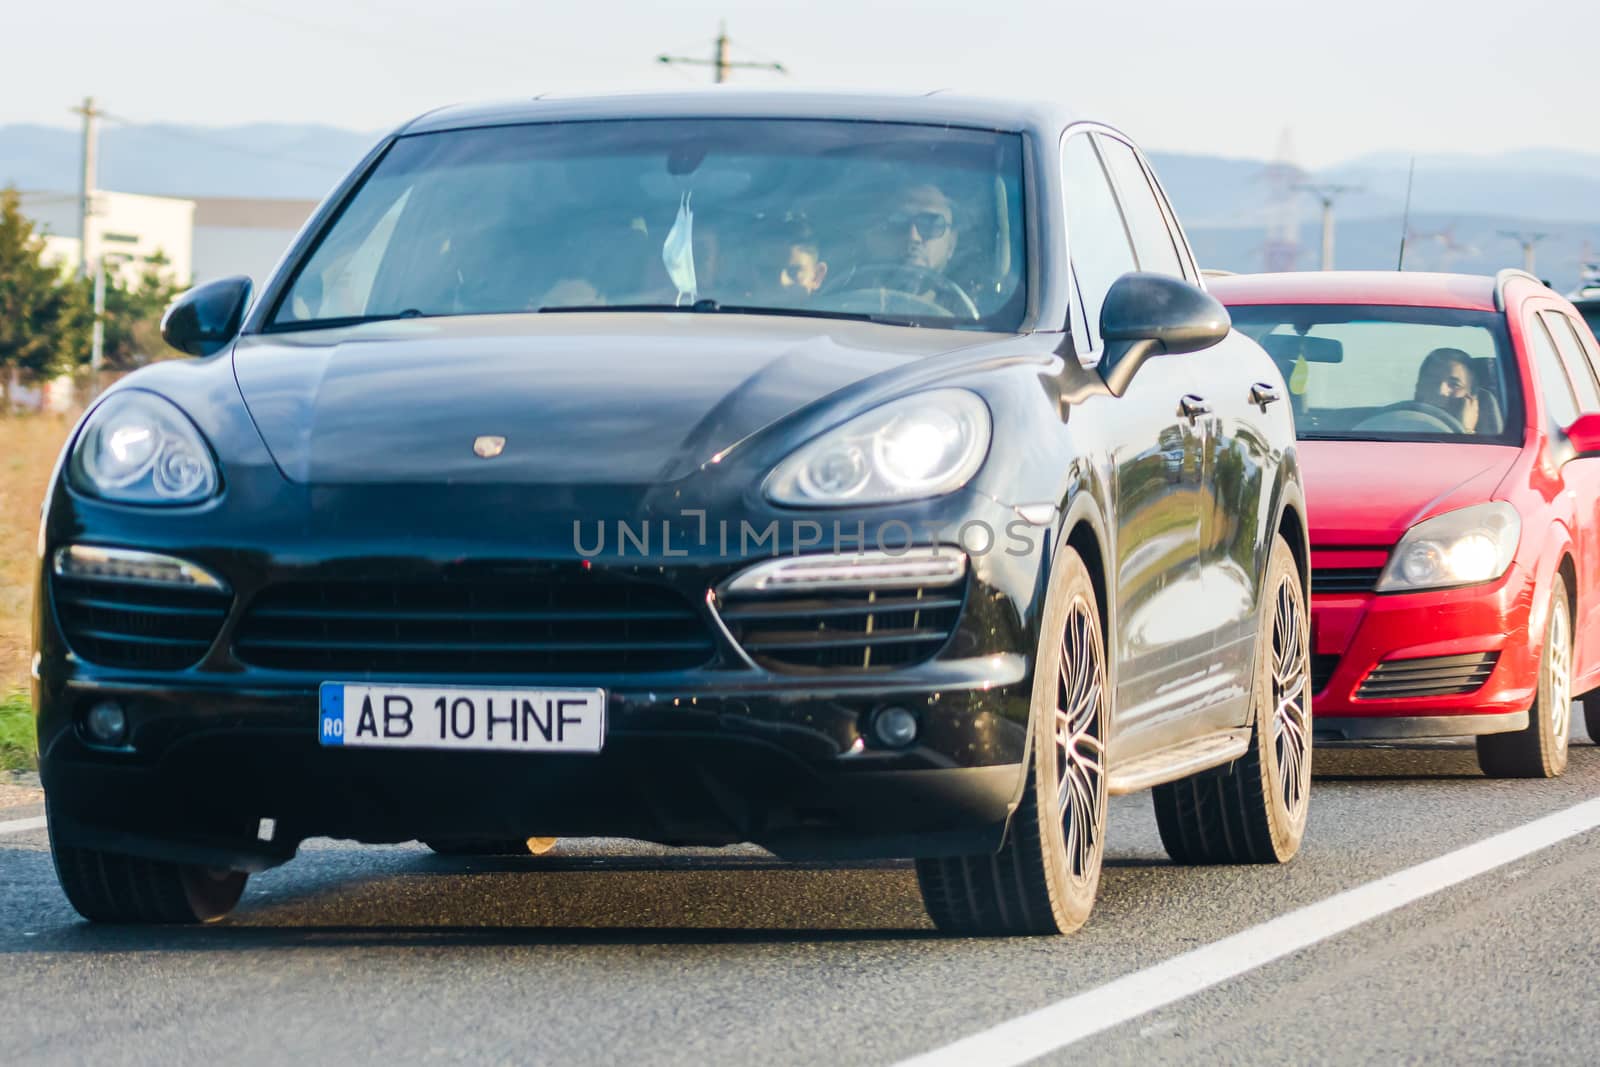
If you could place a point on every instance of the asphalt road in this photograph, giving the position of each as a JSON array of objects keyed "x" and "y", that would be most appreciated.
[{"x": 609, "y": 952}]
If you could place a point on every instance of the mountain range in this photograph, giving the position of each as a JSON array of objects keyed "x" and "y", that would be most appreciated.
[{"x": 1460, "y": 203}]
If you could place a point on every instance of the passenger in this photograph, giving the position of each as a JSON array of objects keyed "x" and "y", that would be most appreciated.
[
  {"x": 802, "y": 269},
  {"x": 1445, "y": 381}
]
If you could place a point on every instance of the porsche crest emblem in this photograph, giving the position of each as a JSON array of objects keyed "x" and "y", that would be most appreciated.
[{"x": 488, "y": 447}]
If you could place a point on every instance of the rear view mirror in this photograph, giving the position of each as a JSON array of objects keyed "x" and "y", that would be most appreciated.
[
  {"x": 1286, "y": 348},
  {"x": 204, "y": 320},
  {"x": 1584, "y": 436},
  {"x": 1148, "y": 315}
]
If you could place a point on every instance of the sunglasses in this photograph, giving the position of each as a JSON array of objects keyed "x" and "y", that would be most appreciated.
[{"x": 929, "y": 224}]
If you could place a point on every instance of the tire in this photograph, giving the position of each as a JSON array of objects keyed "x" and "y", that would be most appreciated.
[
  {"x": 489, "y": 846},
  {"x": 1254, "y": 809},
  {"x": 1044, "y": 877},
  {"x": 1540, "y": 749},
  {"x": 107, "y": 888}
]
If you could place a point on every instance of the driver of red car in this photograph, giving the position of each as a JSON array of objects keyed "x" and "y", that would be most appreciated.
[{"x": 1445, "y": 381}]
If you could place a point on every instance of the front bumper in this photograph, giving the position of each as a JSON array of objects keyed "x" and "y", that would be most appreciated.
[
  {"x": 1368, "y": 646},
  {"x": 726, "y": 751}
]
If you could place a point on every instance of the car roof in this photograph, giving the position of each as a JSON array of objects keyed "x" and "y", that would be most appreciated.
[
  {"x": 939, "y": 107},
  {"x": 1402, "y": 288}
]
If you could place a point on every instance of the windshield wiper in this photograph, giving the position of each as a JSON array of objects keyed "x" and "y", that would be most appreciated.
[
  {"x": 697, "y": 306},
  {"x": 335, "y": 321},
  {"x": 712, "y": 307}
]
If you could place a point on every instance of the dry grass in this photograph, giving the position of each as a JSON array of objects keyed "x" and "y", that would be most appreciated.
[{"x": 28, "y": 448}]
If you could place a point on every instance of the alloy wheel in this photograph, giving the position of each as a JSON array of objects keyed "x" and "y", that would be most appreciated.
[
  {"x": 1080, "y": 743},
  {"x": 1560, "y": 678},
  {"x": 1291, "y": 718}
]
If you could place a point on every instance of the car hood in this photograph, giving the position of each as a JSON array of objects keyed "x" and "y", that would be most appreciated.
[
  {"x": 578, "y": 398},
  {"x": 1371, "y": 492}
]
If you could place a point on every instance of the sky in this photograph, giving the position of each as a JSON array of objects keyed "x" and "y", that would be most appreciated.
[{"x": 1221, "y": 77}]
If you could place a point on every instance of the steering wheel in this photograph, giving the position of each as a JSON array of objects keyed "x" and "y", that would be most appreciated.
[
  {"x": 909, "y": 281},
  {"x": 1395, "y": 417}
]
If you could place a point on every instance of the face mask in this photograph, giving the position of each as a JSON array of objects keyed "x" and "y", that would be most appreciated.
[{"x": 677, "y": 253}]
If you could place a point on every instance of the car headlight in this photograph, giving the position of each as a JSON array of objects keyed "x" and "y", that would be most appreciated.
[
  {"x": 919, "y": 446},
  {"x": 1462, "y": 547},
  {"x": 138, "y": 448}
]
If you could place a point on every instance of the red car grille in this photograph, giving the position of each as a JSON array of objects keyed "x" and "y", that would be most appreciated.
[
  {"x": 1345, "y": 580},
  {"x": 1430, "y": 676}
]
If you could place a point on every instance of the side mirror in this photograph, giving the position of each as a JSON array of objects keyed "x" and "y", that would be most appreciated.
[
  {"x": 1148, "y": 315},
  {"x": 204, "y": 320},
  {"x": 1584, "y": 436}
]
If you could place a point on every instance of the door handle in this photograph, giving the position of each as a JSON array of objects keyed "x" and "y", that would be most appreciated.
[
  {"x": 1262, "y": 394},
  {"x": 1192, "y": 407}
]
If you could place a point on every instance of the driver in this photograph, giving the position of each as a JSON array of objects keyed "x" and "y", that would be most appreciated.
[
  {"x": 920, "y": 231},
  {"x": 1445, "y": 381}
]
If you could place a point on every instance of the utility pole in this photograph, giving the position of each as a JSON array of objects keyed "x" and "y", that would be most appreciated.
[
  {"x": 1527, "y": 241},
  {"x": 720, "y": 63},
  {"x": 1327, "y": 194},
  {"x": 97, "y": 342},
  {"x": 86, "y": 180}
]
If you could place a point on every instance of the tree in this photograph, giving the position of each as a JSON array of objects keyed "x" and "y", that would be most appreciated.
[
  {"x": 44, "y": 317},
  {"x": 133, "y": 316}
]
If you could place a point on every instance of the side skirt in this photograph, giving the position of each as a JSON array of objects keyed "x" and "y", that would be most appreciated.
[{"x": 1180, "y": 761}]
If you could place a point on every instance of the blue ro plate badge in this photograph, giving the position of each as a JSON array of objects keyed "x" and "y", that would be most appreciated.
[{"x": 449, "y": 717}]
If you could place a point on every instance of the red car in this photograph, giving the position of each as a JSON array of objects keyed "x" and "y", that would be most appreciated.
[{"x": 1447, "y": 425}]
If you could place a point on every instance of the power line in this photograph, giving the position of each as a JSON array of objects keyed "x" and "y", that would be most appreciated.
[{"x": 185, "y": 134}]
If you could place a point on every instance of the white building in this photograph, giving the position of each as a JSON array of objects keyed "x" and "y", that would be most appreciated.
[
  {"x": 202, "y": 239},
  {"x": 236, "y": 235},
  {"x": 128, "y": 229}
]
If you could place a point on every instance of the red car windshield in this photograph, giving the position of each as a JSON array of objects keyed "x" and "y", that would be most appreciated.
[
  {"x": 1591, "y": 315},
  {"x": 1391, "y": 373}
]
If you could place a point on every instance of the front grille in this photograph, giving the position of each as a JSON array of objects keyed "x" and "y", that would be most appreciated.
[
  {"x": 850, "y": 629},
  {"x": 134, "y": 626},
  {"x": 561, "y": 624},
  {"x": 1322, "y": 668},
  {"x": 1345, "y": 580},
  {"x": 1431, "y": 676}
]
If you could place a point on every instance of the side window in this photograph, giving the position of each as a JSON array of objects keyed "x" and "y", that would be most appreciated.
[
  {"x": 1553, "y": 381},
  {"x": 1572, "y": 355},
  {"x": 1191, "y": 270},
  {"x": 1152, "y": 241},
  {"x": 1096, "y": 236}
]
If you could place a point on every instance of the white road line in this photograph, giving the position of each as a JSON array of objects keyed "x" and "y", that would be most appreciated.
[
  {"x": 1058, "y": 1025},
  {"x": 18, "y": 826}
]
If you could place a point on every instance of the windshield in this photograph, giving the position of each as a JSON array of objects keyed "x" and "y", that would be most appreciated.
[
  {"x": 1591, "y": 315},
  {"x": 1391, "y": 373},
  {"x": 909, "y": 224}
]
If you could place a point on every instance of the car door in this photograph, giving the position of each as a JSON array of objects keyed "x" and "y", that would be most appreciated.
[
  {"x": 1161, "y": 635},
  {"x": 1233, "y": 455},
  {"x": 1582, "y": 478}
]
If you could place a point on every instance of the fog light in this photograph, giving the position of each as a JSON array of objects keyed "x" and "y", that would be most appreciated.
[
  {"x": 894, "y": 727},
  {"x": 107, "y": 723}
]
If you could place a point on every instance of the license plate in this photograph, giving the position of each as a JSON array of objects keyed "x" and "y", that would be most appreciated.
[{"x": 499, "y": 719}]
